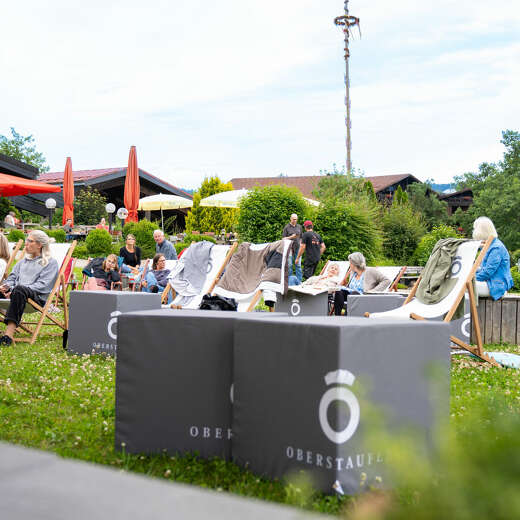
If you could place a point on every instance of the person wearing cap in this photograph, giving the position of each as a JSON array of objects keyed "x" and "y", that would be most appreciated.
[
  {"x": 313, "y": 247},
  {"x": 293, "y": 231}
]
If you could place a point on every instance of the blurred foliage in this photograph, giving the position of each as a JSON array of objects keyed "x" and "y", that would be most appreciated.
[
  {"x": 15, "y": 234},
  {"x": 89, "y": 207},
  {"x": 426, "y": 202}
]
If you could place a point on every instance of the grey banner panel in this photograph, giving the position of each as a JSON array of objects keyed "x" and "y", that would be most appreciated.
[
  {"x": 357, "y": 305},
  {"x": 174, "y": 381},
  {"x": 93, "y": 318},
  {"x": 299, "y": 304},
  {"x": 305, "y": 387}
]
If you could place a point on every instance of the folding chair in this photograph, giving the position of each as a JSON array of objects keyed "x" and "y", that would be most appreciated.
[
  {"x": 248, "y": 301},
  {"x": 393, "y": 273},
  {"x": 46, "y": 318},
  {"x": 463, "y": 269},
  {"x": 219, "y": 258},
  {"x": 15, "y": 247}
]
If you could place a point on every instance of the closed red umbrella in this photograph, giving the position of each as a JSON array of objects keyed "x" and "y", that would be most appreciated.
[
  {"x": 10, "y": 186},
  {"x": 68, "y": 193},
  {"x": 132, "y": 187}
]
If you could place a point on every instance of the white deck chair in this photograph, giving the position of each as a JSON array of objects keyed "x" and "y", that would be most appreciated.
[
  {"x": 343, "y": 265},
  {"x": 14, "y": 248},
  {"x": 248, "y": 301},
  {"x": 393, "y": 273},
  {"x": 463, "y": 270},
  {"x": 219, "y": 257}
]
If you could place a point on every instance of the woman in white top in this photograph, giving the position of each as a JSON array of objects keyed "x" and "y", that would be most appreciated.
[{"x": 4, "y": 254}]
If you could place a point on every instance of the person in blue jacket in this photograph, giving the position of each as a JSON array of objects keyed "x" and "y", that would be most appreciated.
[{"x": 494, "y": 274}]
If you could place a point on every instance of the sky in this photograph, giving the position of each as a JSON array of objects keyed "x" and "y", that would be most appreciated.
[{"x": 243, "y": 88}]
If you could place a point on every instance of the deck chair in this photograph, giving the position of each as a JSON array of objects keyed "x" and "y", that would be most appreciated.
[
  {"x": 248, "y": 301},
  {"x": 46, "y": 318},
  {"x": 220, "y": 257},
  {"x": 463, "y": 269},
  {"x": 14, "y": 247}
]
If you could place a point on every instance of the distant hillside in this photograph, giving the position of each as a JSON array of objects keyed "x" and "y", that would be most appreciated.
[
  {"x": 190, "y": 191},
  {"x": 443, "y": 187}
]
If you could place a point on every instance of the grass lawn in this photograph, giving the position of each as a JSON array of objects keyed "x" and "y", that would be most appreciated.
[{"x": 62, "y": 403}]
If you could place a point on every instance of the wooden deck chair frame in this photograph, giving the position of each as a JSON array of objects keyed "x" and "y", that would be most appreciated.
[
  {"x": 169, "y": 288},
  {"x": 467, "y": 286},
  {"x": 46, "y": 318},
  {"x": 11, "y": 260}
]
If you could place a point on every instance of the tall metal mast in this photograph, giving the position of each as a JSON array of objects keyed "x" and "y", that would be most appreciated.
[{"x": 346, "y": 22}]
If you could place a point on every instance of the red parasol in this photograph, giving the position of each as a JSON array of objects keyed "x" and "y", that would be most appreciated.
[
  {"x": 132, "y": 187},
  {"x": 68, "y": 193},
  {"x": 10, "y": 186}
]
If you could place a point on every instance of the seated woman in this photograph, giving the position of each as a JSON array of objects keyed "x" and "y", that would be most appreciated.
[
  {"x": 156, "y": 280},
  {"x": 328, "y": 280},
  {"x": 102, "y": 224},
  {"x": 131, "y": 255},
  {"x": 494, "y": 274},
  {"x": 362, "y": 280},
  {"x": 5, "y": 255},
  {"x": 104, "y": 272},
  {"x": 32, "y": 277}
]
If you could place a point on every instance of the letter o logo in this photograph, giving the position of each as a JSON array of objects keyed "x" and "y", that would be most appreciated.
[
  {"x": 295, "y": 307},
  {"x": 111, "y": 323},
  {"x": 339, "y": 393},
  {"x": 456, "y": 266}
]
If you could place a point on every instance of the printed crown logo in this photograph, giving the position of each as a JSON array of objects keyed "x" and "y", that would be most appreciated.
[{"x": 340, "y": 377}]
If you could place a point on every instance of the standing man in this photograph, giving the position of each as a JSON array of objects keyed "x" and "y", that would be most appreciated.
[
  {"x": 293, "y": 231},
  {"x": 313, "y": 247},
  {"x": 163, "y": 246}
]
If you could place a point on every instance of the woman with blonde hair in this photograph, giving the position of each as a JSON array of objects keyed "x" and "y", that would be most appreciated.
[
  {"x": 104, "y": 273},
  {"x": 494, "y": 274},
  {"x": 4, "y": 254},
  {"x": 32, "y": 277}
]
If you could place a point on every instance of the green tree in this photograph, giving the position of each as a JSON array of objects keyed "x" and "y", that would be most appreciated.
[
  {"x": 210, "y": 219},
  {"x": 22, "y": 148},
  {"x": 346, "y": 227},
  {"x": 340, "y": 186},
  {"x": 99, "y": 242},
  {"x": 89, "y": 206},
  {"x": 428, "y": 241},
  {"x": 496, "y": 191},
  {"x": 265, "y": 211},
  {"x": 402, "y": 229},
  {"x": 425, "y": 201},
  {"x": 400, "y": 196}
]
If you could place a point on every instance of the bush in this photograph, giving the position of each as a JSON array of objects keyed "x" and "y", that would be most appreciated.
[
  {"x": 15, "y": 234},
  {"x": 179, "y": 246},
  {"x": 80, "y": 251},
  {"x": 58, "y": 234},
  {"x": 143, "y": 232},
  {"x": 264, "y": 212},
  {"x": 402, "y": 230},
  {"x": 515, "y": 256},
  {"x": 516, "y": 278},
  {"x": 348, "y": 227},
  {"x": 99, "y": 242},
  {"x": 428, "y": 241}
]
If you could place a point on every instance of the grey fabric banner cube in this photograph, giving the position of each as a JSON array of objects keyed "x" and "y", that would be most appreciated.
[
  {"x": 358, "y": 304},
  {"x": 296, "y": 303},
  {"x": 174, "y": 377},
  {"x": 93, "y": 318},
  {"x": 302, "y": 386}
]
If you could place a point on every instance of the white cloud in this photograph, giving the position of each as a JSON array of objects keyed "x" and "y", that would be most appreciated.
[{"x": 248, "y": 88}]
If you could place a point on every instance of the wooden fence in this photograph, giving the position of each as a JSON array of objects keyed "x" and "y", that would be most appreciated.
[{"x": 500, "y": 320}]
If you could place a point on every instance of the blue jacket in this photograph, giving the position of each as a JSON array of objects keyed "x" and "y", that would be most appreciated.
[{"x": 495, "y": 270}]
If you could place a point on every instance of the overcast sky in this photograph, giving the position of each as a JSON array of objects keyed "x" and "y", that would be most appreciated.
[{"x": 244, "y": 88}]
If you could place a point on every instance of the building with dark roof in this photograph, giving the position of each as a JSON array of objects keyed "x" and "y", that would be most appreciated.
[
  {"x": 384, "y": 185},
  {"x": 462, "y": 199}
]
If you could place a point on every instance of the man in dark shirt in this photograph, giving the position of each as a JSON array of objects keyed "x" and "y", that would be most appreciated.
[
  {"x": 293, "y": 231},
  {"x": 313, "y": 247}
]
